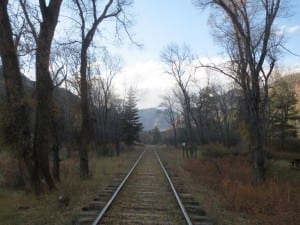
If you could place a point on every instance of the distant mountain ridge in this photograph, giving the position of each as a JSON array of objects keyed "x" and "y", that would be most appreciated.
[
  {"x": 153, "y": 117},
  {"x": 60, "y": 94}
]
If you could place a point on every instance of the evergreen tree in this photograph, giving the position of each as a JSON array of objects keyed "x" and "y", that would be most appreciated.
[
  {"x": 131, "y": 120},
  {"x": 156, "y": 135}
]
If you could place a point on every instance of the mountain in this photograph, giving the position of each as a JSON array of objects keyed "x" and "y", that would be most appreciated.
[
  {"x": 152, "y": 117},
  {"x": 60, "y": 94},
  {"x": 66, "y": 102},
  {"x": 27, "y": 84}
]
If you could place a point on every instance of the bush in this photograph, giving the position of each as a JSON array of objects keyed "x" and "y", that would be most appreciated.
[
  {"x": 291, "y": 145},
  {"x": 267, "y": 201},
  {"x": 218, "y": 150},
  {"x": 285, "y": 155},
  {"x": 9, "y": 173},
  {"x": 272, "y": 202}
]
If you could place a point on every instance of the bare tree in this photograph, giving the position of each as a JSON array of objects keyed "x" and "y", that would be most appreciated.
[
  {"x": 102, "y": 97},
  {"x": 49, "y": 12},
  {"x": 59, "y": 71},
  {"x": 246, "y": 30},
  {"x": 91, "y": 15},
  {"x": 169, "y": 105},
  {"x": 217, "y": 112},
  {"x": 226, "y": 102},
  {"x": 179, "y": 66},
  {"x": 15, "y": 95}
]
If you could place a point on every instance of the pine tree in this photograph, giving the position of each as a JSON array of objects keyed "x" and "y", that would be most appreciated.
[
  {"x": 131, "y": 121},
  {"x": 156, "y": 135}
]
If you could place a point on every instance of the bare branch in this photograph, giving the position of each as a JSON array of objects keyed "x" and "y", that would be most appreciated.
[{"x": 23, "y": 4}]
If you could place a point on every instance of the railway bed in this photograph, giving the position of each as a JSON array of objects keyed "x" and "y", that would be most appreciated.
[{"x": 148, "y": 194}]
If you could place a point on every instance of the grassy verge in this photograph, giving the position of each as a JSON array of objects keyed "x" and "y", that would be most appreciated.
[
  {"x": 19, "y": 207},
  {"x": 232, "y": 197}
]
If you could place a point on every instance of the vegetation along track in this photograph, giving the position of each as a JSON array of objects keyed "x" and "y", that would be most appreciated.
[{"x": 145, "y": 196}]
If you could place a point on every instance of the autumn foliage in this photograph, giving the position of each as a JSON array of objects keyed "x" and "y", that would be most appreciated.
[{"x": 277, "y": 199}]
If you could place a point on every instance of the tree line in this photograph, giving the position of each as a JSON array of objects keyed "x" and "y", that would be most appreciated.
[
  {"x": 29, "y": 40},
  {"x": 257, "y": 106},
  {"x": 95, "y": 116}
]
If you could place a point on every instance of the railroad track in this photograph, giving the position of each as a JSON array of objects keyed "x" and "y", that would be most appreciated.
[{"x": 147, "y": 194}]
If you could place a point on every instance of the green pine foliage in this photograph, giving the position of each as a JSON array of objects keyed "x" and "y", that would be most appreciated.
[
  {"x": 156, "y": 135},
  {"x": 131, "y": 120}
]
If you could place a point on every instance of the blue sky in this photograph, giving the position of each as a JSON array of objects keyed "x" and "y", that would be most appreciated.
[{"x": 160, "y": 22}]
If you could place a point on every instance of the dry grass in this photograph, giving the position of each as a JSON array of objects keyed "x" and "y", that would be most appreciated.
[
  {"x": 233, "y": 197},
  {"x": 8, "y": 170},
  {"x": 285, "y": 155},
  {"x": 19, "y": 207}
]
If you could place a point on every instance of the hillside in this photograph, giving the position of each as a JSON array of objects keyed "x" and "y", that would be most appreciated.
[
  {"x": 27, "y": 84},
  {"x": 60, "y": 94},
  {"x": 67, "y": 102}
]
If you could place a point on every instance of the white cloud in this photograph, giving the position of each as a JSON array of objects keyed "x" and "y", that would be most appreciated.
[
  {"x": 288, "y": 29},
  {"x": 148, "y": 78},
  {"x": 151, "y": 82},
  {"x": 293, "y": 29}
]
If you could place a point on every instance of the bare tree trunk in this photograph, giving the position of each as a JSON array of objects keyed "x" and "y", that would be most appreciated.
[
  {"x": 188, "y": 124},
  {"x": 258, "y": 154},
  {"x": 199, "y": 127},
  {"x": 44, "y": 114},
  {"x": 44, "y": 88},
  {"x": 191, "y": 144},
  {"x": 175, "y": 135},
  {"x": 14, "y": 92},
  {"x": 105, "y": 125},
  {"x": 56, "y": 162},
  {"x": 85, "y": 120},
  {"x": 55, "y": 151},
  {"x": 256, "y": 131},
  {"x": 118, "y": 147}
]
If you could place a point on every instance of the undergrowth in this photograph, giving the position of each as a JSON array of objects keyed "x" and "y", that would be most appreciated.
[
  {"x": 227, "y": 189},
  {"x": 22, "y": 207}
]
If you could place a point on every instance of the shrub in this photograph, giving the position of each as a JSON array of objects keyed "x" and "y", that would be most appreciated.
[
  {"x": 214, "y": 150},
  {"x": 274, "y": 200},
  {"x": 290, "y": 145},
  {"x": 9, "y": 173}
]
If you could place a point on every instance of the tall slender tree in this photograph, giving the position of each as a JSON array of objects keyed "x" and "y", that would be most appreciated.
[
  {"x": 49, "y": 11},
  {"x": 171, "y": 114},
  {"x": 91, "y": 16},
  {"x": 179, "y": 65},
  {"x": 102, "y": 95},
  {"x": 246, "y": 30}
]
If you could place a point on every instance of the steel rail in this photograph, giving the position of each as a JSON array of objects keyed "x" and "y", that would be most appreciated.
[
  {"x": 110, "y": 201},
  {"x": 186, "y": 216}
]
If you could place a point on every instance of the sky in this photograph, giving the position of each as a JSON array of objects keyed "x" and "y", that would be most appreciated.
[{"x": 159, "y": 23}]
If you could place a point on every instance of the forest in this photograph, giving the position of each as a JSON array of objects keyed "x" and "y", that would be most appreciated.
[{"x": 67, "y": 131}]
